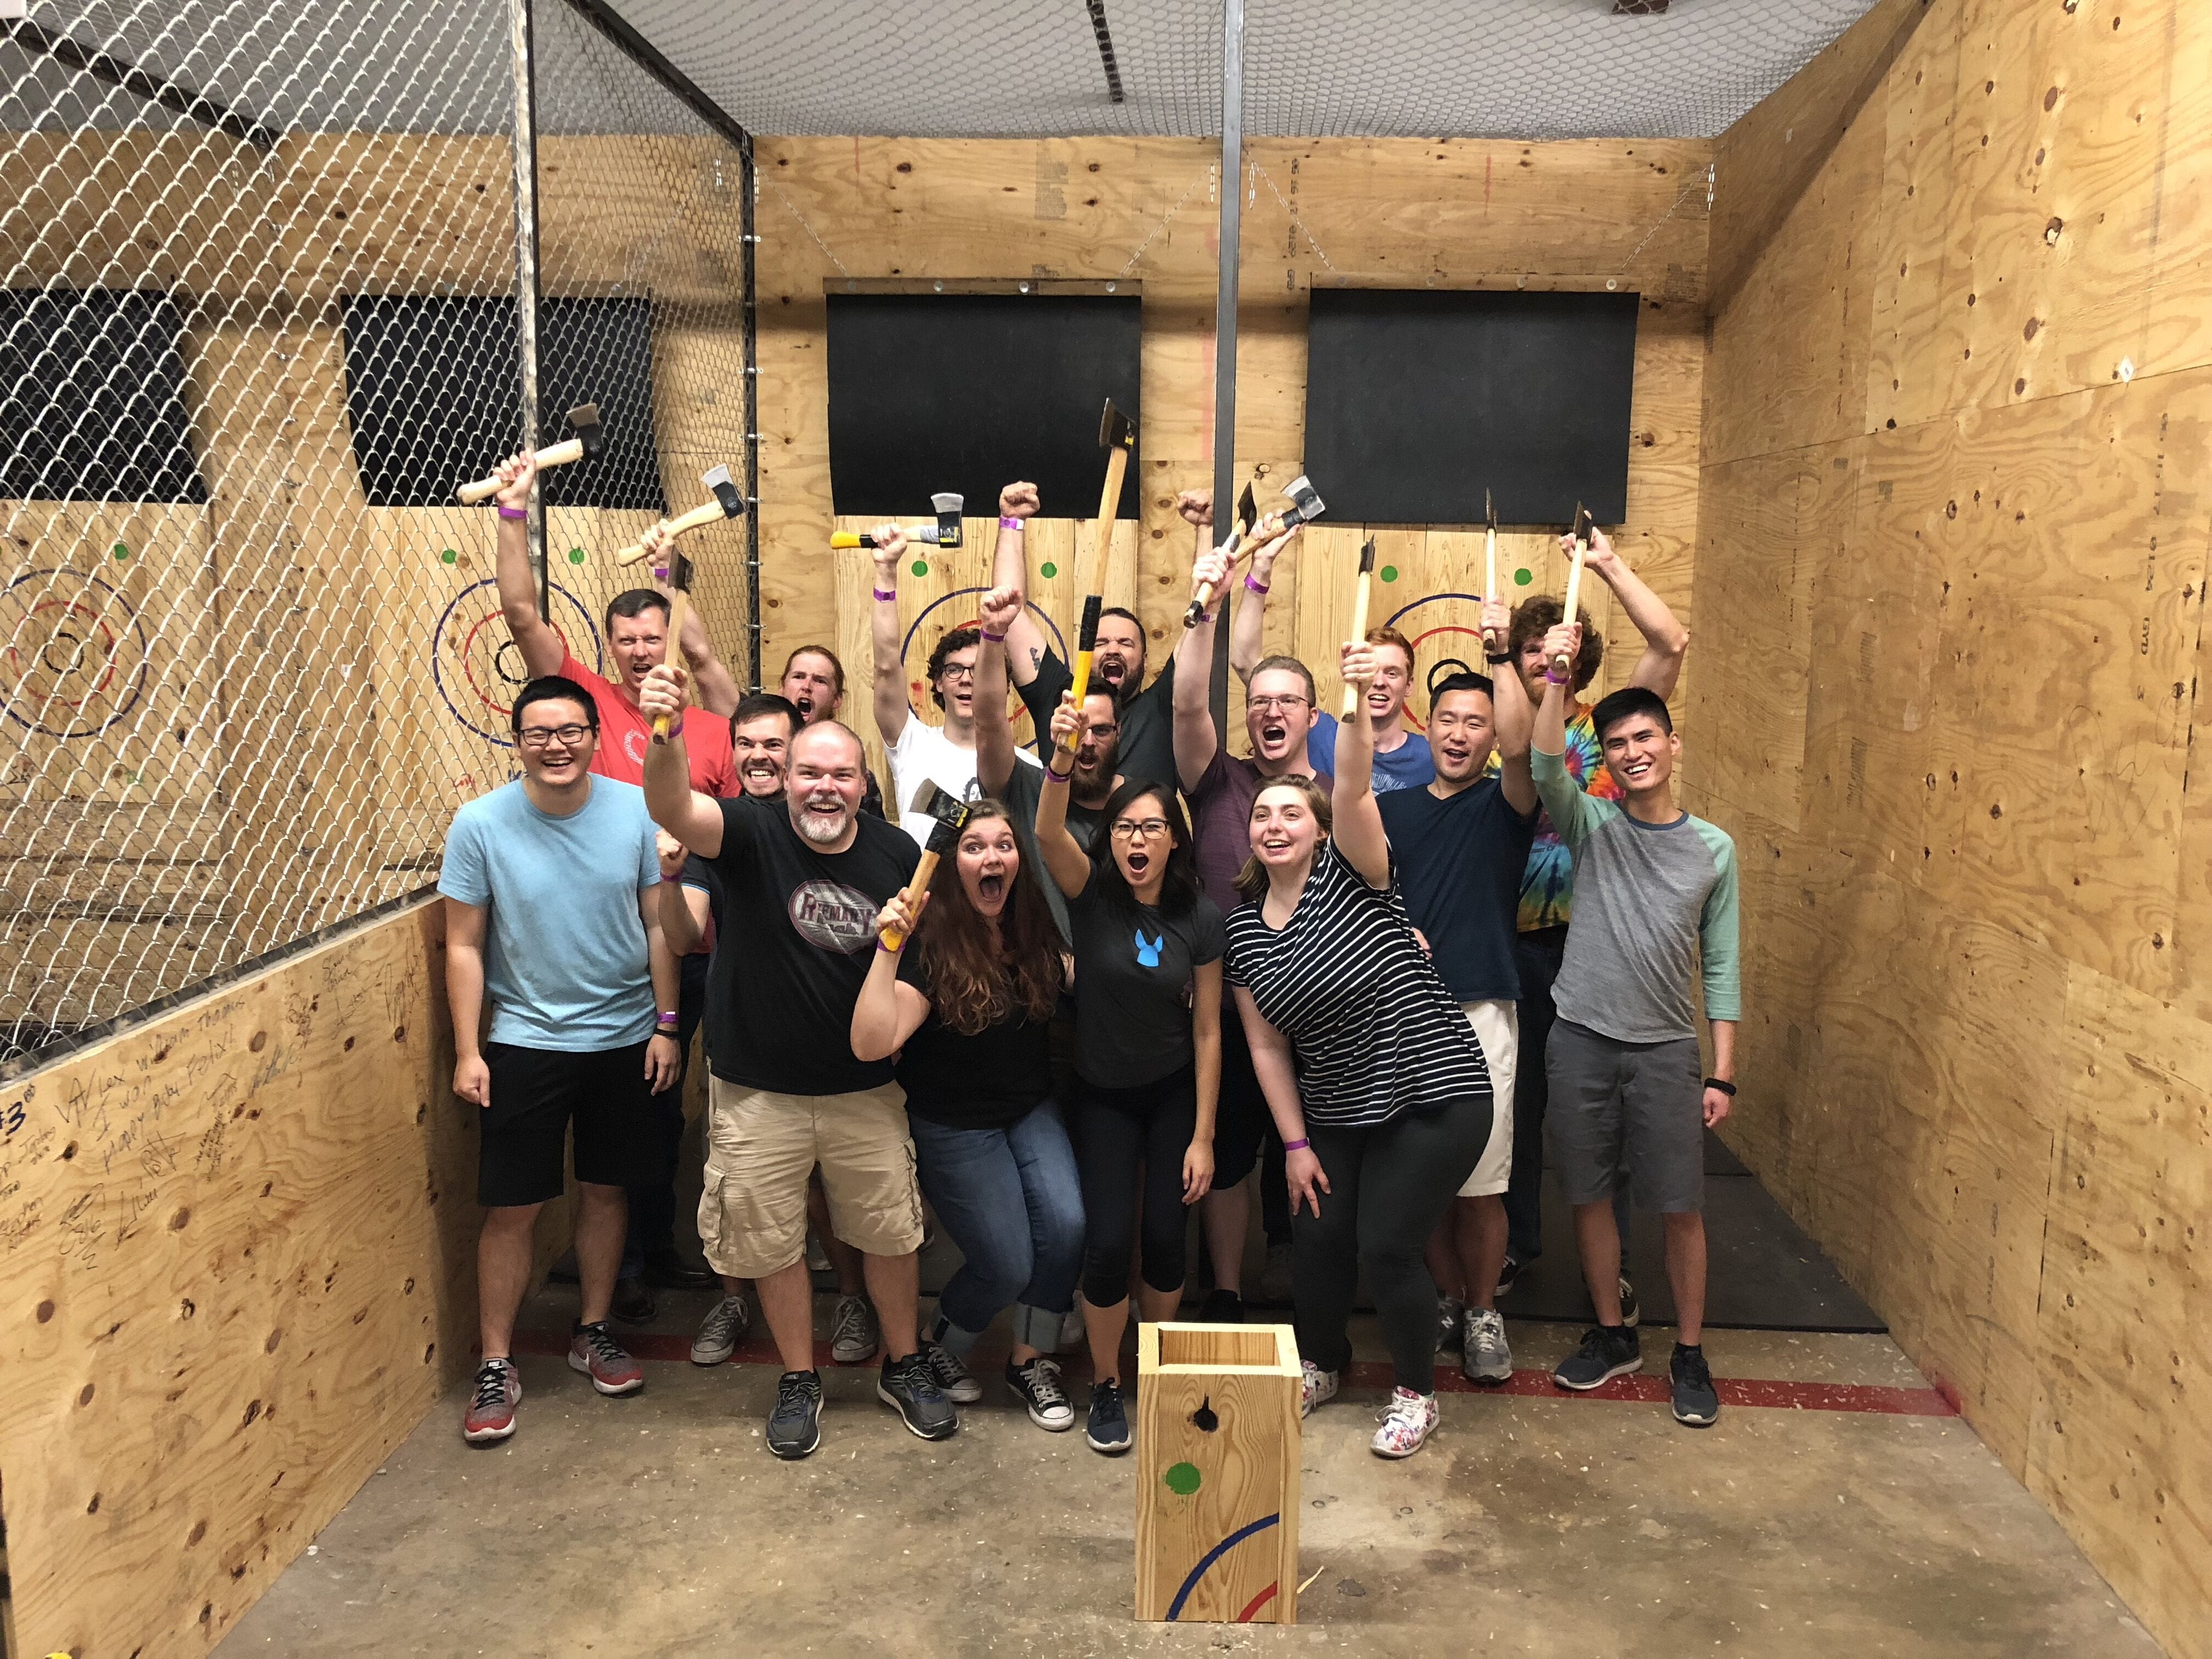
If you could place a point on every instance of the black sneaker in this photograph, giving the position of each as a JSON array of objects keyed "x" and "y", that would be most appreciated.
[
  {"x": 1510, "y": 1272},
  {"x": 634, "y": 1303},
  {"x": 906, "y": 1386},
  {"x": 794, "y": 1427},
  {"x": 953, "y": 1379},
  {"x": 1632, "y": 1311},
  {"x": 668, "y": 1271},
  {"x": 1697, "y": 1402},
  {"x": 1108, "y": 1430},
  {"x": 1607, "y": 1351},
  {"x": 1221, "y": 1308},
  {"x": 1038, "y": 1385}
]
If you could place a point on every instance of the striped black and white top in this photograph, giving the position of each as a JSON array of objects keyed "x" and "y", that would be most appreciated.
[{"x": 1376, "y": 1033}]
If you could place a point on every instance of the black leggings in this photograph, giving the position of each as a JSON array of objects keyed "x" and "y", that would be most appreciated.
[
  {"x": 1389, "y": 1186},
  {"x": 1117, "y": 1131}
]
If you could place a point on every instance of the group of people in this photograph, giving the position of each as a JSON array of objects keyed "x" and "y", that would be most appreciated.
[{"x": 1147, "y": 975}]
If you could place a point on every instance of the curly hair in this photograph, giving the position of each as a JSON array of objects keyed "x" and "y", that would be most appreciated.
[
  {"x": 975, "y": 979},
  {"x": 1533, "y": 618},
  {"x": 959, "y": 640}
]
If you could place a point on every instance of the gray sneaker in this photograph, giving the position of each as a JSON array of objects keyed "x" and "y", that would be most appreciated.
[
  {"x": 1484, "y": 1355},
  {"x": 855, "y": 1336},
  {"x": 725, "y": 1323},
  {"x": 1451, "y": 1313},
  {"x": 1632, "y": 1311}
]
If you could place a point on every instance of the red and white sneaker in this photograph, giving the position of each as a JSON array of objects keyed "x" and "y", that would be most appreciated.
[
  {"x": 498, "y": 1391},
  {"x": 1406, "y": 1424},
  {"x": 1316, "y": 1386},
  {"x": 593, "y": 1350}
]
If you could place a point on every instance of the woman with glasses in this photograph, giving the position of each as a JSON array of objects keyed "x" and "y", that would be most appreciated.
[{"x": 1148, "y": 947}]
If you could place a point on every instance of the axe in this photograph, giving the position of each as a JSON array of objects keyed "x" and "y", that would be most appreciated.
[
  {"x": 727, "y": 504},
  {"x": 951, "y": 818},
  {"x": 1248, "y": 515},
  {"x": 1086, "y": 641},
  {"x": 945, "y": 533},
  {"x": 1489, "y": 563},
  {"x": 1117, "y": 436},
  {"x": 678, "y": 575},
  {"x": 1306, "y": 506},
  {"x": 1582, "y": 535},
  {"x": 590, "y": 441},
  {"x": 1359, "y": 617}
]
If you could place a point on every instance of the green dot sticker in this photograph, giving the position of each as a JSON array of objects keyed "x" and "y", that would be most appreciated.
[
  {"x": 449, "y": 557},
  {"x": 1388, "y": 573},
  {"x": 1048, "y": 570},
  {"x": 920, "y": 567},
  {"x": 575, "y": 555},
  {"x": 1524, "y": 576},
  {"x": 121, "y": 551},
  {"x": 1183, "y": 1479}
]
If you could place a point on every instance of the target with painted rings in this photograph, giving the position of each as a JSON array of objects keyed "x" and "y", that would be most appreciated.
[
  {"x": 75, "y": 660},
  {"x": 477, "y": 666},
  {"x": 1442, "y": 630},
  {"x": 917, "y": 688}
]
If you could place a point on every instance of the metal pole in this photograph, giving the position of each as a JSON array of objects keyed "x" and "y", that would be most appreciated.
[
  {"x": 748, "y": 184},
  {"x": 525, "y": 266},
  {"x": 1225, "y": 324}
]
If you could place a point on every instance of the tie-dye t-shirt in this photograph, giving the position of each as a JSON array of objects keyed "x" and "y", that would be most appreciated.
[{"x": 1547, "y": 885}]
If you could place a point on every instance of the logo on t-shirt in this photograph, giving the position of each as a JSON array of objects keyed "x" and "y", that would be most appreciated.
[
  {"x": 1148, "y": 950},
  {"x": 634, "y": 745},
  {"x": 835, "y": 917}
]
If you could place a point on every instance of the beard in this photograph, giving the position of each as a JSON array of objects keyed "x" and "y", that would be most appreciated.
[{"x": 821, "y": 826}]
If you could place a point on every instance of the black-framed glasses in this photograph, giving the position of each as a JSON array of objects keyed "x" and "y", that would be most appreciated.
[
  {"x": 956, "y": 670},
  {"x": 537, "y": 737},
  {"x": 1130, "y": 829}
]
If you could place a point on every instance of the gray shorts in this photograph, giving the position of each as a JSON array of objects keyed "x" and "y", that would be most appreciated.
[{"x": 1626, "y": 1112}]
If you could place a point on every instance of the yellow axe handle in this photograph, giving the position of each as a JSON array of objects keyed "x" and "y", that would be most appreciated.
[{"x": 679, "y": 602}]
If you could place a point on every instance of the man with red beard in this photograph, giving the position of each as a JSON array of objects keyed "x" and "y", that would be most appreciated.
[{"x": 813, "y": 682}]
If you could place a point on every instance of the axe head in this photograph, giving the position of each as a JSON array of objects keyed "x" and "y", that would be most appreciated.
[
  {"x": 948, "y": 506},
  {"x": 717, "y": 478},
  {"x": 1247, "y": 511},
  {"x": 1582, "y": 529},
  {"x": 949, "y": 811},
  {"x": 1086, "y": 636},
  {"x": 1490, "y": 512},
  {"x": 676, "y": 572},
  {"x": 1306, "y": 504},
  {"x": 1116, "y": 428},
  {"x": 584, "y": 422},
  {"x": 1367, "y": 556}
]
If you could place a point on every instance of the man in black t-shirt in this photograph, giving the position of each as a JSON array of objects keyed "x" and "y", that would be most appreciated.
[
  {"x": 1460, "y": 843},
  {"x": 802, "y": 881}
]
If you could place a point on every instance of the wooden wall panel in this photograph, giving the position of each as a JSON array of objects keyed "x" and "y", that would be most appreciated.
[{"x": 1985, "y": 970}]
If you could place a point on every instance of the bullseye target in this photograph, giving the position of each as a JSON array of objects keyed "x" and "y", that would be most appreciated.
[
  {"x": 917, "y": 686},
  {"x": 1440, "y": 639},
  {"x": 75, "y": 657},
  {"x": 477, "y": 666}
]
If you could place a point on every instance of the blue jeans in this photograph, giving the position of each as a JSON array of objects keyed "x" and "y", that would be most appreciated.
[{"x": 1011, "y": 1201}]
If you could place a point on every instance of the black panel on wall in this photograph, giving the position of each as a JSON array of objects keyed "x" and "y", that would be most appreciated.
[
  {"x": 91, "y": 405},
  {"x": 1417, "y": 400},
  {"x": 433, "y": 390},
  {"x": 971, "y": 392}
]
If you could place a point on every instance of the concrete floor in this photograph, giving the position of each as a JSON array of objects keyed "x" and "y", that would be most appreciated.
[{"x": 1530, "y": 1524}]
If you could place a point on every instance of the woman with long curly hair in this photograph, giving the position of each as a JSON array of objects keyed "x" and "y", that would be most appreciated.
[{"x": 967, "y": 1006}]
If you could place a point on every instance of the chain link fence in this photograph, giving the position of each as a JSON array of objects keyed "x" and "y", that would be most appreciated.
[{"x": 261, "y": 315}]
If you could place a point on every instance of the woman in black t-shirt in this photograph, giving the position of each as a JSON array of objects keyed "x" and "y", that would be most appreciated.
[
  {"x": 966, "y": 1005},
  {"x": 1148, "y": 950}
]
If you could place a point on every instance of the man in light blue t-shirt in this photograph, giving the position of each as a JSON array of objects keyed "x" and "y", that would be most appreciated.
[{"x": 546, "y": 910}]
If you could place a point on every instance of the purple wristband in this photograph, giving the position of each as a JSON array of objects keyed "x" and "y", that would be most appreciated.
[
  {"x": 1550, "y": 678},
  {"x": 1006, "y": 522},
  {"x": 995, "y": 639},
  {"x": 1058, "y": 777},
  {"x": 888, "y": 598},
  {"x": 1295, "y": 1145},
  {"x": 506, "y": 511},
  {"x": 1253, "y": 584}
]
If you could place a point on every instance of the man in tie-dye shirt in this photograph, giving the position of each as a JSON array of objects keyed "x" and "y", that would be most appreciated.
[{"x": 1547, "y": 883}]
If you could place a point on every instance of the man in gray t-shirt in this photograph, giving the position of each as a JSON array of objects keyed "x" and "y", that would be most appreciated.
[{"x": 1655, "y": 911}]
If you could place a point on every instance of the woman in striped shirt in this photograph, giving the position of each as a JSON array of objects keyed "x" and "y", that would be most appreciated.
[{"x": 1386, "y": 1107}]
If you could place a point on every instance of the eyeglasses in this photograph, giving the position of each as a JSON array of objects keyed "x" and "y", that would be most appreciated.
[
  {"x": 956, "y": 670},
  {"x": 1130, "y": 830},
  {"x": 537, "y": 737},
  {"x": 1277, "y": 705}
]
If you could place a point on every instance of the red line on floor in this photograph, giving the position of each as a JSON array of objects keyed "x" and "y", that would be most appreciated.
[{"x": 1765, "y": 1394}]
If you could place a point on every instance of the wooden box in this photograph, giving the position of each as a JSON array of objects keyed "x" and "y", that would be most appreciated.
[{"x": 1218, "y": 1452}]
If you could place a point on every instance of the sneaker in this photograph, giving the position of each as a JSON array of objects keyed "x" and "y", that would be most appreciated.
[
  {"x": 1038, "y": 1385},
  {"x": 1315, "y": 1387},
  {"x": 1510, "y": 1272},
  {"x": 906, "y": 1386},
  {"x": 1605, "y": 1353},
  {"x": 1485, "y": 1356},
  {"x": 633, "y": 1303},
  {"x": 718, "y": 1337},
  {"x": 1073, "y": 1334},
  {"x": 491, "y": 1405},
  {"x": 1697, "y": 1402},
  {"x": 1451, "y": 1315},
  {"x": 1108, "y": 1428},
  {"x": 854, "y": 1335},
  {"x": 1632, "y": 1311},
  {"x": 794, "y": 1427},
  {"x": 1221, "y": 1308},
  {"x": 1406, "y": 1424},
  {"x": 1275, "y": 1276},
  {"x": 593, "y": 1350},
  {"x": 954, "y": 1380}
]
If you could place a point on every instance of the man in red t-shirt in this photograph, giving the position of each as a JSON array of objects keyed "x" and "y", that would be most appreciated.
[{"x": 637, "y": 638}]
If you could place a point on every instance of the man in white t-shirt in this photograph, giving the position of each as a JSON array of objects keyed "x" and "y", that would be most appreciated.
[{"x": 946, "y": 755}]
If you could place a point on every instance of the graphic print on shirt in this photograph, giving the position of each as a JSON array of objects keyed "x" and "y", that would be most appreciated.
[
  {"x": 834, "y": 916},
  {"x": 634, "y": 744},
  {"x": 1148, "y": 950}
]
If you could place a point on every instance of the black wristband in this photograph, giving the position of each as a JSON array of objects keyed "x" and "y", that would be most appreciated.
[
  {"x": 1503, "y": 656},
  {"x": 1727, "y": 1089}
]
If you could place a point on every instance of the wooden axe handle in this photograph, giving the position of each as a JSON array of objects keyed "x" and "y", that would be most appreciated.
[
  {"x": 698, "y": 518},
  {"x": 1093, "y": 580},
  {"x": 1490, "y": 580},
  {"x": 892, "y": 938},
  {"x": 1562, "y": 665},
  {"x": 1358, "y": 632},
  {"x": 679, "y": 602},
  {"x": 564, "y": 454}
]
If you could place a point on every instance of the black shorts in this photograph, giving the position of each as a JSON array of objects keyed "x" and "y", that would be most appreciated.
[
  {"x": 1241, "y": 1120},
  {"x": 534, "y": 1094}
]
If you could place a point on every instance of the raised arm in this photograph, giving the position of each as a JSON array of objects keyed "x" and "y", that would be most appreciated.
[
  {"x": 1248, "y": 628},
  {"x": 711, "y": 680},
  {"x": 693, "y": 818},
  {"x": 543, "y": 654},
  {"x": 890, "y": 1010},
  {"x": 1195, "y": 740},
  {"x": 1069, "y": 864},
  {"x": 1512, "y": 717},
  {"x": 464, "y": 988},
  {"x": 1666, "y": 641},
  {"x": 1010, "y": 568},
  {"x": 1358, "y": 831},
  {"x": 995, "y": 758},
  {"x": 890, "y": 704}
]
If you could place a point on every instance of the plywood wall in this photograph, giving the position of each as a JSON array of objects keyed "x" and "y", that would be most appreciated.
[
  {"x": 1952, "y": 534},
  {"x": 1458, "y": 214}
]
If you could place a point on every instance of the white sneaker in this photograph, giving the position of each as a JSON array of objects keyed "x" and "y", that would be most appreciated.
[
  {"x": 1485, "y": 1356},
  {"x": 1406, "y": 1424},
  {"x": 1316, "y": 1387}
]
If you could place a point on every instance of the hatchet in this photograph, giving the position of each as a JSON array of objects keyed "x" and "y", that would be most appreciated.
[
  {"x": 952, "y": 816},
  {"x": 1489, "y": 563},
  {"x": 676, "y": 572},
  {"x": 588, "y": 444},
  {"x": 1086, "y": 641},
  {"x": 727, "y": 504},
  {"x": 1117, "y": 436},
  {"x": 1359, "y": 617},
  {"x": 1248, "y": 515},
  {"x": 1582, "y": 535},
  {"x": 1306, "y": 506},
  {"x": 945, "y": 533}
]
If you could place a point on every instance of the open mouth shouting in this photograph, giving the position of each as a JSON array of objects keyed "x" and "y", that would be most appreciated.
[
  {"x": 991, "y": 888},
  {"x": 1137, "y": 861}
]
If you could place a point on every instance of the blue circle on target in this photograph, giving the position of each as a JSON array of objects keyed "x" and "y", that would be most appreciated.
[
  {"x": 476, "y": 665},
  {"x": 1059, "y": 639}
]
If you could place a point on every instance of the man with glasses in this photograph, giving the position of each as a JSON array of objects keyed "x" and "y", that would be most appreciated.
[
  {"x": 945, "y": 755},
  {"x": 548, "y": 886}
]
